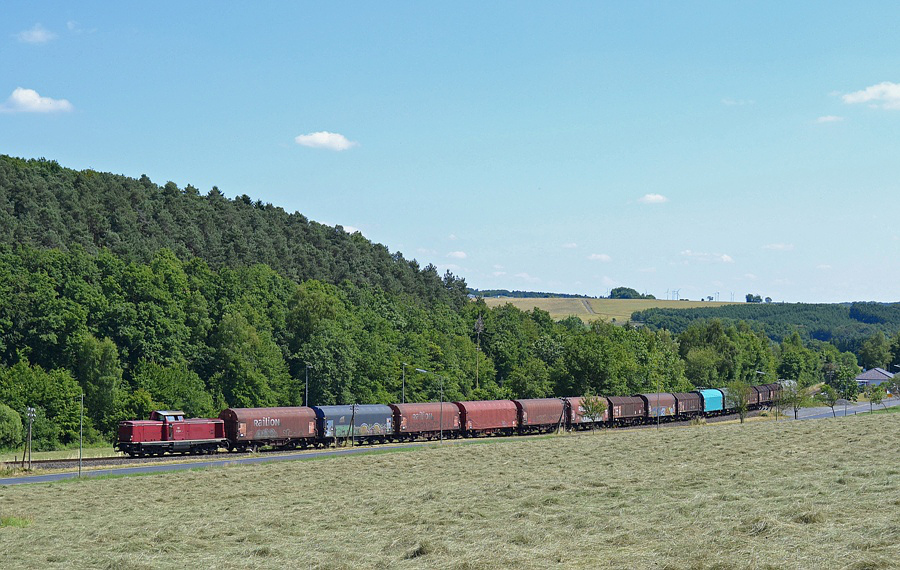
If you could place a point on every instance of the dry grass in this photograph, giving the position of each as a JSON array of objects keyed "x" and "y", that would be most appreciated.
[
  {"x": 813, "y": 494},
  {"x": 605, "y": 309}
]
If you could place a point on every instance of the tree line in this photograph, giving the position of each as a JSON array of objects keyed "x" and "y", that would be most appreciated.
[
  {"x": 176, "y": 333},
  {"x": 866, "y": 329}
]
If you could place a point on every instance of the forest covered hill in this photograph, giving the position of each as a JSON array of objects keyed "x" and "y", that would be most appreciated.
[
  {"x": 43, "y": 204},
  {"x": 846, "y": 325}
]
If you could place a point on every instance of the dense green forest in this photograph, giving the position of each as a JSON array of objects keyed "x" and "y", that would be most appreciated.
[
  {"x": 848, "y": 326},
  {"x": 144, "y": 297}
]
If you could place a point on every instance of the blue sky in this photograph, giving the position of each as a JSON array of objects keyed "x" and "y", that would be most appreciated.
[{"x": 709, "y": 147}]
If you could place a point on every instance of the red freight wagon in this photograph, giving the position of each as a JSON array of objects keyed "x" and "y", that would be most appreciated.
[
  {"x": 426, "y": 420},
  {"x": 577, "y": 417},
  {"x": 774, "y": 392},
  {"x": 753, "y": 397},
  {"x": 277, "y": 427},
  {"x": 488, "y": 416},
  {"x": 626, "y": 409},
  {"x": 765, "y": 394},
  {"x": 168, "y": 431},
  {"x": 540, "y": 414},
  {"x": 688, "y": 404},
  {"x": 660, "y": 404}
]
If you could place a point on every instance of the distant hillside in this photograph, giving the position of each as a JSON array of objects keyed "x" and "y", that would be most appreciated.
[
  {"x": 488, "y": 293},
  {"x": 45, "y": 205},
  {"x": 590, "y": 309},
  {"x": 844, "y": 325}
]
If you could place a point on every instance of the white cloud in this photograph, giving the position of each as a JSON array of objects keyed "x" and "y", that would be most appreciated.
[
  {"x": 779, "y": 246},
  {"x": 75, "y": 28},
  {"x": 570, "y": 245},
  {"x": 703, "y": 257},
  {"x": 29, "y": 101},
  {"x": 885, "y": 95},
  {"x": 829, "y": 119},
  {"x": 824, "y": 267},
  {"x": 750, "y": 276},
  {"x": 653, "y": 199},
  {"x": 498, "y": 266},
  {"x": 326, "y": 140},
  {"x": 527, "y": 277},
  {"x": 36, "y": 35},
  {"x": 457, "y": 255},
  {"x": 452, "y": 237},
  {"x": 498, "y": 273},
  {"x": 352, "y": 229},
  {"x": 599, "y": 257}
]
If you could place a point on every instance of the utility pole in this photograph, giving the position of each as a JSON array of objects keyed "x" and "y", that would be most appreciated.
[
  {"x": 81, "y": 436},
  {"x": 657, "y": 403},
  {"x": 352, "y": 422},
  {"x": 403, "y": 396},
  {"x": 31, "y": 414},
  {"x": 306, "y": 394},
  {"x": 479, "y": 328}
]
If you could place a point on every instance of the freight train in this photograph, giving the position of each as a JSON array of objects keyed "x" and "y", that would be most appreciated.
[{"x": 249, "y": 429}]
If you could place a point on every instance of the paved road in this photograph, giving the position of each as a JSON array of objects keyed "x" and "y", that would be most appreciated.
[{"x": 851, "y": 409}]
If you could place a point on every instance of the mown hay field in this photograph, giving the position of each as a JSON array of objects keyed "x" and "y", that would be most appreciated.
[
  {"x": 605, "y": 309},
  {"x": 811, "y": 494}
]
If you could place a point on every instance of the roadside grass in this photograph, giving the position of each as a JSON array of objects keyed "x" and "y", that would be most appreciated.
[
  {"x": 812, "y": 494},
  {"x": 891, "y": 410},
  {"x": 604, "y": 309},
  {"x": 106, "y": 450}
]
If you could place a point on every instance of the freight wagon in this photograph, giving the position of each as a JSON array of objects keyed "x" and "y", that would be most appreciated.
[
  {"x": 688, "y": 405},
  {"x": 285, "y": 428},
  {"x": 366, "y": 423},
  {"x": 579, "y": 419},
  {"x": 488, "y": 417},
  {"x": 540, "y": 415},
  {"x": 626, "y": 410},
  {"x": 713, "y": 402},
  {"x": 658, "y": 406},
  {"x": 426, "y": 421}
]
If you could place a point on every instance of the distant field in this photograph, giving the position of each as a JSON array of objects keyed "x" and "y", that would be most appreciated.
[
  {"x": 605, "y": 309},
  {"x": 764, "y": 495}
]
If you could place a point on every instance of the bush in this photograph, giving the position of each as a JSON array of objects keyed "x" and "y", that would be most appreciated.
[{"x": 11, "y": 431}]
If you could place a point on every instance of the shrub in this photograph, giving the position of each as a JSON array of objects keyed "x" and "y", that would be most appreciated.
[{"x": 11, "y": 431}]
